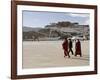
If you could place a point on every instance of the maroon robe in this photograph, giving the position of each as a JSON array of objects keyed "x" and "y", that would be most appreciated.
[
  {"x": 65, "y": 47},
  {"x": 78, "y": 48}
]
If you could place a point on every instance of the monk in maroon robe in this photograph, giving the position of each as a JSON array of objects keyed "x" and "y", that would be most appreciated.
[
  {"x": 78, "y": 48},
  {"x": 65, "y": 47}
]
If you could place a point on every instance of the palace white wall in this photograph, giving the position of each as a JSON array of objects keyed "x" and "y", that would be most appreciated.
[{"x": 5, "y": 40}]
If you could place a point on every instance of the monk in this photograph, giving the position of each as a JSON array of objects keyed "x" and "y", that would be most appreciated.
[
  {"x": 70, "y": 47},
  {"x": 65, "y": 48},
  {"x": 78, "y": 48}
]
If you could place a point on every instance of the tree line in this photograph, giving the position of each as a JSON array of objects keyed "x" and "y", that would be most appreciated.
[{"x": 62, "y": 24}]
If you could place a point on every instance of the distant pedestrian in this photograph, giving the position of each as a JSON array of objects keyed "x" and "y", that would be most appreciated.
[
  {"x": 70, "y": 46},
  {"x": 65, "y": 48},
  {"x": 78, "y": 48}
]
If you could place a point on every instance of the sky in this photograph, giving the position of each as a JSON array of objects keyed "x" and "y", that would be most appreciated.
[{"x": 41, "y": 18}]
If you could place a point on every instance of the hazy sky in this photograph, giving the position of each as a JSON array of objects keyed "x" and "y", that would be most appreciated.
[{"x": 40, "y": 19}]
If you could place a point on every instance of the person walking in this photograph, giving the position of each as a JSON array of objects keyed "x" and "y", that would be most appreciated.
[
  {"x": 70, "y": 47},
  {"x": 78, "y": 48},
  {"x": 65, "y": 48}
]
